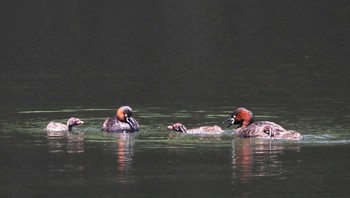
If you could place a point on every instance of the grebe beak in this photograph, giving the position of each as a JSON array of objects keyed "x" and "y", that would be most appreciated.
[
  {"x": 131, "y": 121},
  {"x": 231, "y": 120},
  {"x": 183, "y": 129}
]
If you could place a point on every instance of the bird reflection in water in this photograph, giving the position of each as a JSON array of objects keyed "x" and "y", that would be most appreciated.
[
  {"x": 125, "y": 150},
  {"x": 257, "y": 157},
  {"x": 64, "y": 141}
]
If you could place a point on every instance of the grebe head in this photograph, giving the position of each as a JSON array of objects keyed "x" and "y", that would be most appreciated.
[
  {"x": 124, "y": 114},
  {"x": 73, "y": 122},
  {"x": 177, "y": 127},
  {"x": 241, "y": 116}
]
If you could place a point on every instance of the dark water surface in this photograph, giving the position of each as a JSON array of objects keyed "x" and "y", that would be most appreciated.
[{"x": 191, "y": 62}]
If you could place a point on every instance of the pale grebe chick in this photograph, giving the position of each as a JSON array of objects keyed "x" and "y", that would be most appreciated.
[
  {"x": 56, "y": 126},
  {"x": 200, "y": 130}
]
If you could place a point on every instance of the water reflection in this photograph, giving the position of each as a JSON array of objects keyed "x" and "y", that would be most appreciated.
[
  {"x": 255, "y": 158},
  {"x": 64, "y": 141},
  {"x": 125, "y": 150},
  {"x": 75, "y": 142}
]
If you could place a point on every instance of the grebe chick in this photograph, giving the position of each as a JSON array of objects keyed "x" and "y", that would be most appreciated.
[
  {"x": 261, "y": 129},
  {"x": 200, "y": 130},
  {"x": 122, "y": 122},
  {"x": 56, "y": 126}
]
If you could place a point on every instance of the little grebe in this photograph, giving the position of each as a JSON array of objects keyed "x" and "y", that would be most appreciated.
[
  {"x": 123, "y": 121},
  {"x": 200, "y": 130},
  {"x": 56, "y": 126},
  {"x": 261, "y": 129}
]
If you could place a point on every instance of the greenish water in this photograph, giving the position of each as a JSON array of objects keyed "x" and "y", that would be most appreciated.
[{"x": 88, "y": 162}]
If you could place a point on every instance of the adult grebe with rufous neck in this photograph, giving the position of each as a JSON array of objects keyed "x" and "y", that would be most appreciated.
[
  {"x": 260, "y": 129},
  {"x": 123, "y": 121}
]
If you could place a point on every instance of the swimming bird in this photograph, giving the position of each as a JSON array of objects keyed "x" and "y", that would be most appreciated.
[
  {"x": 200, "y": 130},
  {"x": 56, "y": 126},
  {"x": 260, "y": 129},
  {"x": 122, "y": 122}
]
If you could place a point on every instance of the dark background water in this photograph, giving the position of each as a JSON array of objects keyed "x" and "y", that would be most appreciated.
[{"x": 188, "y": 61}]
